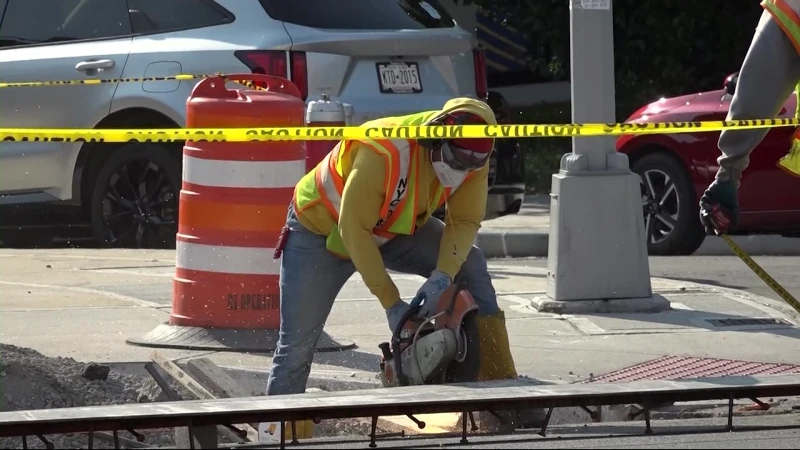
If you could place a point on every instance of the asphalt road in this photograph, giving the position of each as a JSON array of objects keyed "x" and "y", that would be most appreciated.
[
  {"x": 750, "y": 433},
  {"x": 725, "y": 271}
]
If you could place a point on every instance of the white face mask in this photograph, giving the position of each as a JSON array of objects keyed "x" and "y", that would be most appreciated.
[{"x": 447, "y": 176}]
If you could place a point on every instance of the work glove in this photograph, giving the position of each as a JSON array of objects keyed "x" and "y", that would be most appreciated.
[
  {"x": 430, "y": 292},
  {"x": 725, "y": 196},
  {"x": 395, "y": 314}
]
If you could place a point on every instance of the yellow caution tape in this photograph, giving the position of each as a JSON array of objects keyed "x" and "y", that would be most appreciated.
[
  {"x": 399, "y": 132},
  {"x": 94, "y": 81},
  {"x": 761, "y": 273}
]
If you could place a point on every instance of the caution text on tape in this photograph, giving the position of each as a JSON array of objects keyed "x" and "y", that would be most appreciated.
[
  {"x": 97, "y": 81},
  {"x": 361, "y": 132}
]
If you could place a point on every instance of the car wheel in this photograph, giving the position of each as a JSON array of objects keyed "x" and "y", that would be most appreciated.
[
  {"x": 671, "y": 214},
  {"x": 134, "y": 202}
]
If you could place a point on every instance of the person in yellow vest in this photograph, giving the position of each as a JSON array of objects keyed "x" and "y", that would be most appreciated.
[
  {"x": 366, "y": 208},
  {"x": 769, "y": 73}
]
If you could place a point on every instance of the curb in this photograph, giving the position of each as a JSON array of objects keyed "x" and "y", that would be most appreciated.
[
  {"x": 512, "y": 244},
  {"x": 254, "y": 381},
  {"x": 521, "y": 244}
]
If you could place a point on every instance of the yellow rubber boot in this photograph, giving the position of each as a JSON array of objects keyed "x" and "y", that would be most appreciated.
[{"x": 497, "y": 363}]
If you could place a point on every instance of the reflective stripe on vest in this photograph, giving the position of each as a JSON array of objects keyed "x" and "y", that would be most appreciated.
[
  {"x": 325, "y": 184},
  {"x": 330, "y": 183},
  {"x": 785, "y": 14},
  {"x": 791, "y": 161}
]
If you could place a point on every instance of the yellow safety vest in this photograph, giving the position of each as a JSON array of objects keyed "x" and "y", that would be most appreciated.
[
  {"x": 785, "y": 13},
  {"x": 325, "y": 183}
]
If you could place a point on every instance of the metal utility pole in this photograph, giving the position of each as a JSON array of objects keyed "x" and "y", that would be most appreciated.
[{"x": 597, "y": 256}]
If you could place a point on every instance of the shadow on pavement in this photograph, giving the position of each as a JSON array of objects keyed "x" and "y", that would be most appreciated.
[
  {"x": 709, "y": 282},
  {"x": 350, "y": 359},
  {"x": 503, "y": 274}
]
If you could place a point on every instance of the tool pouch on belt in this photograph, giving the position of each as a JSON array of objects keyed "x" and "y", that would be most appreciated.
[{"x": 282, "y": 238}]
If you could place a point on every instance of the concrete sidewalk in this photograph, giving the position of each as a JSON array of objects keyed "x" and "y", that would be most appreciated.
[
  {"x": 527, "y": 234},
  {"x": 85, "y": 304}
]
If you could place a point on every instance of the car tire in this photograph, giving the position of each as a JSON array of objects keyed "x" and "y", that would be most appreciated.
[
  {"x": 134, "y": 200},
  {"x": 671, "y": 213}
]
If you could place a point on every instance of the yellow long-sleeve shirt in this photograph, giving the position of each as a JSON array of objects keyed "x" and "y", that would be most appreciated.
[{"x": 364, "y": 194}]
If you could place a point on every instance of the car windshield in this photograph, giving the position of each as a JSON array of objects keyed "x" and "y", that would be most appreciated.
[{"x": 361, "y": 14}]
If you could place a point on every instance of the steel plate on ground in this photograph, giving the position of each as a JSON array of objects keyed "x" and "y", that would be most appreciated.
[{"x": 679, "y": 367}]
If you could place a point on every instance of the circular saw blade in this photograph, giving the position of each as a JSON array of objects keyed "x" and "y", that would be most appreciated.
[{"x": 465, "y": 368}]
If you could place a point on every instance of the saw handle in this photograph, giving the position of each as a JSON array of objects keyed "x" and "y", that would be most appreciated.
[
  {"x": 386, "y": 350},
  {"x": 462, "y": 283},
  {"x": 416, "y": 302}
]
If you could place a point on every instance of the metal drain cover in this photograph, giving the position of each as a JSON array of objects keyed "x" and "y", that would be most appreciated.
[
  {"x": 746, "y": 321},
  {"x": 678, "y": 367}
]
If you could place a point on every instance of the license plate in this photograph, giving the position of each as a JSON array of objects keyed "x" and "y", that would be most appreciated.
[{"x": 399, "y": 78}]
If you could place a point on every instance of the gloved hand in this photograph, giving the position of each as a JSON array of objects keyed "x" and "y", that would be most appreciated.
[
  {"x": 395, "y": 313},
  {"x": 724, "y": 194},
  {"x": 431, "y": 290}
]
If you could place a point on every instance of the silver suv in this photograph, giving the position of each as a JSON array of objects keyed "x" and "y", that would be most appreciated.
[{"x": 384, "y": 57}]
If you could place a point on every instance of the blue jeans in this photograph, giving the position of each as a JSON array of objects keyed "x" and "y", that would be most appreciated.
[{"x": 311, "y": 278}]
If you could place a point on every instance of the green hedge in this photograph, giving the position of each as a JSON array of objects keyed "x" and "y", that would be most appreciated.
[
  {"x": 661, "y": 48},
  {"x": 542, "y": 155}
]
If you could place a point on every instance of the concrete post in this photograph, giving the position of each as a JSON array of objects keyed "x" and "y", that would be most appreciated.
[{"x": 597, "y": 255}]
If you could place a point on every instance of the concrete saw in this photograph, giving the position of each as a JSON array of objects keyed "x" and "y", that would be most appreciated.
[{"x": 444, "y": 348}]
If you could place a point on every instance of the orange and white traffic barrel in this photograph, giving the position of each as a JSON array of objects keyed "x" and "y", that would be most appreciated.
[{"x": 233, "y": 206}]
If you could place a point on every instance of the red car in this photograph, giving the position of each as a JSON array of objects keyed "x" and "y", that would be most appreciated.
[{"x": 676, "y": 168}]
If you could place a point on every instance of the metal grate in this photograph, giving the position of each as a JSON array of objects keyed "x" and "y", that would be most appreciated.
[
  {"x": 679, "y": 367},
  {"x": 741, "y": 322}
]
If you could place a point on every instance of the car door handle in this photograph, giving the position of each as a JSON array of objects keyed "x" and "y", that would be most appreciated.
[{"x": 97, "y": 64}]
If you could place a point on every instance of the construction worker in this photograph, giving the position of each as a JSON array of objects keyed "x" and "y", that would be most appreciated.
[
  {"x": 769, "y": 73},
  {"x": 367, "y": 207}
]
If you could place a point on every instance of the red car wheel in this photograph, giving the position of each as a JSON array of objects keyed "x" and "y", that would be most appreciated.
[{"x": 671, "y": 214}]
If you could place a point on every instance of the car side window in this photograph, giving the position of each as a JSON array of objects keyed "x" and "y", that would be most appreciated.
[
  {"x": 32, "y": 22},
  {"x": 151, "y": 16}
]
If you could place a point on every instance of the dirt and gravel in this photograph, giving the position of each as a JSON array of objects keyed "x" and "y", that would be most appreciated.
[{"x": 30, "y": 380}]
